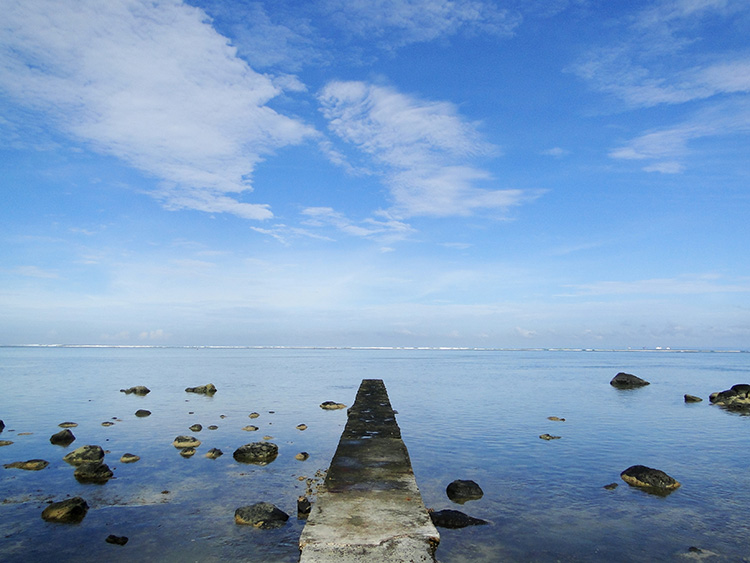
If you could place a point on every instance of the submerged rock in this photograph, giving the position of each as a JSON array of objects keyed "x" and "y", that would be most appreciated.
[
  {"x": 186, "y": 442},
  {"x": 258, "y": 453},
  {"x": 93, "y": 473},
  {"x": 85, "y": 454},
  {"x": 556, "y": 418},
  {"x": 649, "y": 478},
  {"x": 208, "y": 389},
  {"x": 62, "y": 438},
  {"x": 454, "y": 519},
  {"x": 250, "y": 428},
  {"x": 116, "y": 540},
  {"x": 692, "y": 399},
  {"x": 129, "y": 458},
  {"x": 214, "y": 453},
  {"x": 5, "y": 443},
  {"x": 263, "y": 515},
  {"x": 461, "y": 491},
  {"x": 736, "y": 398},
  {"x": 142, "y": 413},
  {"x": 611, "y": 486},
  {"x": 549, "y": 437},
  {"x": 68, "y": 511},
  {"x": 30, "y": 465},
  {"x": 332, "y": 405},
  {"x": 108, "y": 423},
  {"x": 141, "y": 390},
  {"x": 68, "y": 424},
  {"x": 627, "y": 381}
]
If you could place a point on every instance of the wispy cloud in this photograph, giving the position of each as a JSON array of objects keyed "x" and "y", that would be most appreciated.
[
  {"x": 682, "y": 285},
  {"x": 382, "y": 227},
  {"x": 425, "y": 149},
  {"x": 159, "y": 89}
]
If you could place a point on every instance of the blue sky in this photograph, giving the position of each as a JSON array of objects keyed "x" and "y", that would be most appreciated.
[{"x": 520, "y": 173}]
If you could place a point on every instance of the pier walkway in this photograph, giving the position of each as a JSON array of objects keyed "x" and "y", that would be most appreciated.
[{"x": 369, "y": 507}]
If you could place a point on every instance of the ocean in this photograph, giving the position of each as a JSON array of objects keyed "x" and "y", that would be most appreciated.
[{"x": 463, "y": 413}]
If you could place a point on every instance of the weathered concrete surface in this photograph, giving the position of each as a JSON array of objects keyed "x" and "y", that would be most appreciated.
[{"x": 369, "y": 507}]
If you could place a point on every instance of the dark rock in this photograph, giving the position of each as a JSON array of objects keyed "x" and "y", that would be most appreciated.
[
  {"x": 649, "y": 478},
  {"x": 332, "y": 405},
  {"x": 30, "y": 465},
  {"x": 196, "y": 428},
  {"x": 186, "y": 442},
  {"x": 549, "y": 437},
  {"x": 258, "y": 453},
  {"x": 263, "y": 515},
  {"x": 611, "y": 486},
  {"x": 692, "y": 399},
  {"x": 303, "y": 507},
  {"x": 213, "y": 427},
  {"x": 454, "y": 519},
  {"x": 141, "y": 390},
  {"x": 85, "y": 454},
  {"x": 736, "y": 398},
  {"x": 302, "y": 456},
  {"x": 129, "y": 458},
  {"x": 461, "y": 491},
  {"x": 68, "y": 511},
  {"x": 116, "y": 540},
  {"x": 627, "y": 381},
  {"x": 2, "y": 426},
  {"x": 93, "y": 473},
  {"x": 214, "y": 453},
  {"x": 142, "y": 413},
  {"x": 208, "y": 389},
  {"x": 187, "y": 452},
  {"x": 62, "y": 438}
]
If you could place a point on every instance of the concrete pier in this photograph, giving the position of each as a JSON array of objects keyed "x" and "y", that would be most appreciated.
[{"x": 369, "y": 507}]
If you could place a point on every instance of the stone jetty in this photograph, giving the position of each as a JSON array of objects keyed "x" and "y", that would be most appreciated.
[{"x": 369, "y": 507}]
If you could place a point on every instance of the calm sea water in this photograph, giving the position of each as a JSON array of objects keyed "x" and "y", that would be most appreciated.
[{"x": 464, "y": 414}]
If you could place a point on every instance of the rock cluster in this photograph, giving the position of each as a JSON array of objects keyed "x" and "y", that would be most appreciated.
[
  {"x": 207, "y": 389},
  {"x": 736, "y": 398},
  {"x": 258, "y": 453},
  {"x": 70, "y": 510},
  {"x": 648, "y": 478},
  {"x": 263, "y": 515},
  {"x": 141, "y": 390},
  {"x": 627, "y": 381}
]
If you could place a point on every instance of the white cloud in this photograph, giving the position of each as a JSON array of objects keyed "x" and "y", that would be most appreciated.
[
  {"x": 682, "y": 285},
  {"x": 383, "y": 228},
  {"x": 153, "y": 84},
  {"x": 425, "y": 148}
]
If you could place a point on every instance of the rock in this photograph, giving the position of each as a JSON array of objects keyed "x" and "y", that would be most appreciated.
[
  {"x": 93, "y": 473},
  {"x": 692, "y": 399},
  {"x": 208, "y": 389},
  {"x": 108, "y": 423},
  {"x": 648, "y": 478},
  {"x": 129, "y": 458},
  {"x": 268, "y": 437},
  {"x": 461, "y": 491},
  {"x": 263, "y": 515},
  {"x": 258, "y": 453},
  {"x": 214, "y": 453},
  {"x": 62, "y": 438},
  {"x": 116, "y": 540},
  {"x": 556, "y": 418},
  {"x": 611, "y": 486},
  {"x": 66, "y": 511},
  {"x": 142, "y": 413},
  {"x": 68, "y": 424},
  {"x": 303, "y": 507},
  {"x": 187, "y": 452},
  {"x": 250, "y": 428},
  {"x": 5, "y": 443},
  {"x": 2, "y": 426},
  {"x": 30, "y": 465},
  {"x": 301, "y": 427},
  {"x": 141, "y": 390},
  {"x": 331, "y": 406},
  {"x": 186, "y": 442},
  {"x": 549, "y": 437},
  {"x": 736, "y": 398},
  {"x": 85, "y": 454},
  {"x": 213, "y": 427},
  {"x": 454, "y": 519},
  {"x": 253, "y": 415},
  {"x": 627, "y": 381},
  {"x": 302, "y": 456},
  {"x": 196, "y": 428}
]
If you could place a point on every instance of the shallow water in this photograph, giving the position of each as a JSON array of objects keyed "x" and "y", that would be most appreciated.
[{"x": 464, "y": 414}]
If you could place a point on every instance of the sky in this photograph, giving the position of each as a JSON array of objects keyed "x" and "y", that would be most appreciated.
[{"x": 507, "y": 173}]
